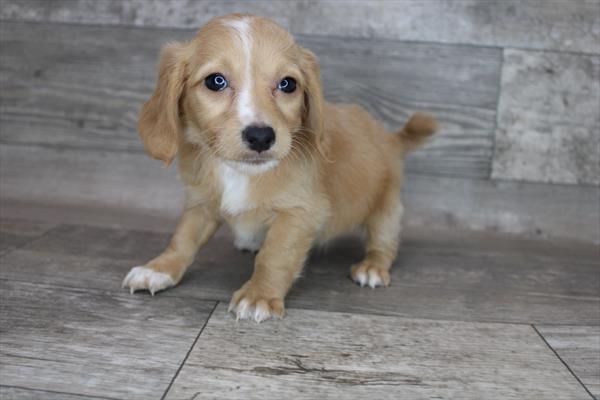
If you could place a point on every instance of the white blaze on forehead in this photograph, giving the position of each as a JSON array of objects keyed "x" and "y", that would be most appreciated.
[{"x": 245, "y": 107}]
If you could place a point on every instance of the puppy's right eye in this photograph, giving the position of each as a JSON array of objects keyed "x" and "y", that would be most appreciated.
[{"x": 215, "y": 82}]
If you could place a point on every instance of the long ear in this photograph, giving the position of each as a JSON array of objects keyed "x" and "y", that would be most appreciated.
[
  {"x": 313, "y": 99},
  {"x": 159, "y": 122}
]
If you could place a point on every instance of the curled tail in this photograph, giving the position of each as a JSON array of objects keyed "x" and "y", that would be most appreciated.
[{"x": 419, "y": 128}]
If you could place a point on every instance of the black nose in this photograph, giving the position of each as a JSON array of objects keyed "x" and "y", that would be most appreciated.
[{"x": 259, "y": 138}]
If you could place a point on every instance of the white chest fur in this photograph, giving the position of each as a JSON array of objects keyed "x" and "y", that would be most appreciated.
[{"x": 234, "y": 199}]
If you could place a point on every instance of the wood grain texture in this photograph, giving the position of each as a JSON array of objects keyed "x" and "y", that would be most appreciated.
[
  {"x": 63, "y": 175},
  {"x": 94, "y": 343},
  {"x": 13, "y": 393},
  {"x": 557, "y": 25},
  {"x": 314, "y": 354},
  {"x": 548, "y": 118},
  {"x": 435, "y": 276},
  {"x": 579, "y": 348},
  {"x": 15, "y": 233},
  {"x": 134, "y": 182},
  {"x": 86, "y": 93},
  {"x": 88, "y": 214}
]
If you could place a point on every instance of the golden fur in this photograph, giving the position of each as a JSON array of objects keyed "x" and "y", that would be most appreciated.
[{"x": 335, "y": 168}]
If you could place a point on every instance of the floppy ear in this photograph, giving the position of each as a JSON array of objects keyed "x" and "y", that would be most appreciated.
[
  {"x": 159, "y": 121},
  {"x": 313, "y": 99}
]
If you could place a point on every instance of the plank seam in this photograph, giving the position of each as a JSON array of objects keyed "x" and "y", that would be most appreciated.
[
  {"x": 496, "y": 120},
  {"x": 189, "y": 351},
  {"x": 563, "y": 361}
]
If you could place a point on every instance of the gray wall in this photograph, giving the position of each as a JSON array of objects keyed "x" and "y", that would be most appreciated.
[{"x": 515, "y": 85}]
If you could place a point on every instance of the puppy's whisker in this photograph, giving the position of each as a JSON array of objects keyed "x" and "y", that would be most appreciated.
[
  {"x": 298, "y": 151},
  {"x": 315, "y": 147},
  {"x": 302, "y": 143}
]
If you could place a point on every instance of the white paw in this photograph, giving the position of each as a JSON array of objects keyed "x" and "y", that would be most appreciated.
[
  {"x": 244, "y": 310},
  {"x": 365, "y": 274},
  {"x": 246, "y": 304},
  {"x": 143, "y": 278}
]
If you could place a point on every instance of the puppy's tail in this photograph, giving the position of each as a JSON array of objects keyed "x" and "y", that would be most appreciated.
[{"x": 419, "y": 128}]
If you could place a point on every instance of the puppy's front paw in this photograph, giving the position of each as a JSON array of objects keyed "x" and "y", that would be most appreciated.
[
  {"x": 249, "y": 303},
  {"x": 144, "y": 278},
  {"x": 367, "y": 273}
]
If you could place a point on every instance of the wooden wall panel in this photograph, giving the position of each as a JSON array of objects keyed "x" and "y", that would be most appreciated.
[
  {"x": 86, "y": 92},
  {"x": 539, "y": 24},
  {"x": 549, "y": 118}
]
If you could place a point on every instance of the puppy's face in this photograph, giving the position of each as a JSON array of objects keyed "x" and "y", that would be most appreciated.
[{"x": 246, "y": 91}]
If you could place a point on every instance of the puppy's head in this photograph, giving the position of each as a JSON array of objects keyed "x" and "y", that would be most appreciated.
[{"x": 242, "y": 90}]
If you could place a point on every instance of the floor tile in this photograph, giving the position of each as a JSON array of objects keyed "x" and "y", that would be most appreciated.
[
  {"x": 94, "y": 343},
  {"x": 579, "y": 348},
  {"x": 325, "y": 355}
]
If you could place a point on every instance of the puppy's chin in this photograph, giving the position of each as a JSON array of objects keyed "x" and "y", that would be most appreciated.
[{"x": 252, "y": 167}]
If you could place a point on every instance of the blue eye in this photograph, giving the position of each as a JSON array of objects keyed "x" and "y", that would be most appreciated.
[
  {"x": 287, "y": 85},
  {"x": 215, "y": 82}
]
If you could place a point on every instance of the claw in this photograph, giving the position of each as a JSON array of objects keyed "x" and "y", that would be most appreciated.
[
  {"x": 368, "y": 275},
  {"x": 361, "y": 279},
  {"x": 143, "y": 278},
  {"x": 258, "y": 311}
]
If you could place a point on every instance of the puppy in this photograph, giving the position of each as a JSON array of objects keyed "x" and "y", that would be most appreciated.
[{"x": 260, "y": 149}]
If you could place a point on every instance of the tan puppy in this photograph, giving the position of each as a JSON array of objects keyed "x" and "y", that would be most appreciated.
[{"x": 260, "y": 149}]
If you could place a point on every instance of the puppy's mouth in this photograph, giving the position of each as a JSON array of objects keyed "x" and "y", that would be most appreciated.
[
  {"x": 255, "y": 161},
  {"x": 253, "y": 165}
]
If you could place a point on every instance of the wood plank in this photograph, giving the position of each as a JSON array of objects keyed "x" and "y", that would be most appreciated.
[
  {"x": 435, "y": 276},
  {"x": 555, "y": 25},
  {"x": 63, "y": 175},
  {"x": 15, "y": 233},
  {"x": 134, "y": 182},
  {"x": 314, "y": 354},
  {"x": 48, "y": 95},
  {"x": 532, "y": 209},
  {"x": 13, "y": 393},
  {"x": 89, "y": 214},
  {"x": 548, "y": 119},
  {"x": 94, "y": 343},
  {"x": 579, "y": 348}
]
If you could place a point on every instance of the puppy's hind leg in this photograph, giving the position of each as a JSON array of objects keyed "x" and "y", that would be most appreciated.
[
  {"x": 383, "y": 237},
  {"x": 195, "y": 227}
]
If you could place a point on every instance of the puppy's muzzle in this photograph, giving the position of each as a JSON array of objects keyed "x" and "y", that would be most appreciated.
[{"x": 258, "y": 138}]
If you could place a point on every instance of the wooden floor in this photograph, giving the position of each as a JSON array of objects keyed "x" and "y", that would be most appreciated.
[{"x": 466, "y": 317}]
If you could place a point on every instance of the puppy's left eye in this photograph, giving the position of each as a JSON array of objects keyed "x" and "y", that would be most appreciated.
[{"x": 287, "y": 85}]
